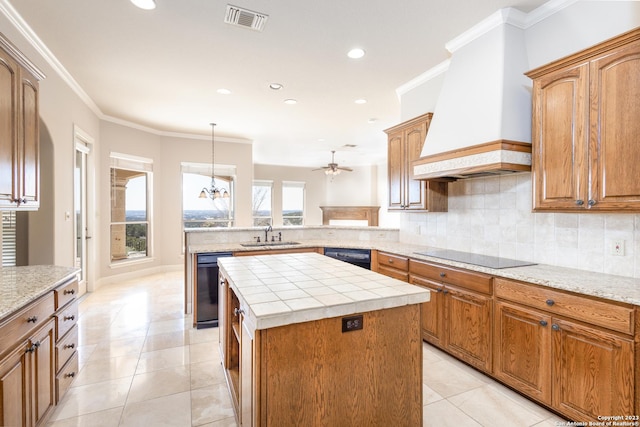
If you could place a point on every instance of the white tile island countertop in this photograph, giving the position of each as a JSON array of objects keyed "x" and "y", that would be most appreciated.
[{"x": 281, "y": 289}]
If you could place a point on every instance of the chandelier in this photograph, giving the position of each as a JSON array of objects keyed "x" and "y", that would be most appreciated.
[{"x": 213, "y": 192}]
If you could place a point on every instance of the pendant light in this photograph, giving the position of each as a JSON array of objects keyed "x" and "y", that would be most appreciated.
[
  {"x": 145, "y": 4},
  {"x": 213, "y": 192}
]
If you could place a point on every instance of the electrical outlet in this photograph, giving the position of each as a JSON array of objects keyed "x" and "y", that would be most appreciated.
[
  {"x": 353, "y": 323},
  {"x": 617, "y": 248}
]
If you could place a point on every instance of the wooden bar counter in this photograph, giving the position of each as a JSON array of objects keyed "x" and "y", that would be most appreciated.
[{"x": 309, "y": 340}]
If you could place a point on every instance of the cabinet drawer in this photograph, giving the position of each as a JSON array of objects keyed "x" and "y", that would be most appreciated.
[
  {"x": 596, "y": 312},
  {"x": 65, "y": 377},
  {"x": 471, "y": 280},
  {"x": 24, "y": 321},
  {"x": 393, "y": 272},
  {"x": 66, "y": 319},
  {"x": 66, "y": 293},
  {"x": 66, "y": 347},
  {"x": 393, "y": 261}
]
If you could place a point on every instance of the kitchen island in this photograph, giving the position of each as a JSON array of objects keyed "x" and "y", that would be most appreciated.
[{"x": 309, "y": 340}]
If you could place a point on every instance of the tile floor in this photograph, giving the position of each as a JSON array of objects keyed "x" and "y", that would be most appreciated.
[{"x": 141, "y": 364}]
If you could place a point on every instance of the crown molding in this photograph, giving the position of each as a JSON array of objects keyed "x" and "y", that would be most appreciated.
[{"x": 423, "y": 78}]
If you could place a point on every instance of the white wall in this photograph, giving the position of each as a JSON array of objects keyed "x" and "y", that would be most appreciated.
[{"x": 493, "y": 215}]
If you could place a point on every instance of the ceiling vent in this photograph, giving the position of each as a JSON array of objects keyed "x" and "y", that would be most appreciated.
[{"x": 245, "y": 18}]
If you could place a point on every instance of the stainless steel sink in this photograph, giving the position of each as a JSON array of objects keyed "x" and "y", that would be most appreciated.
[{"x": 261, "y": 244}]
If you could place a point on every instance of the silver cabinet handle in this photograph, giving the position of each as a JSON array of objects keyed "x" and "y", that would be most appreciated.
[
  {"x": 555, "y": 327},
  {"x": 591, "y": 202},
  {"x": 579, "y": 202},
  {"x": 543, "y": 323}
]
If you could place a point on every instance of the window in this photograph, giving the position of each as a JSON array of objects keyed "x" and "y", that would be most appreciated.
[
  {"x": 292, "y": 203},
  {"x": 206, "y": 212},
  {"x": 261, "y": 204},
  {"x": 130, "y": 202}
]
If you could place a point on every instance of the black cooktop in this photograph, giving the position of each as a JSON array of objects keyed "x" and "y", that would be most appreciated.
[{"x": 475, "y": 259}]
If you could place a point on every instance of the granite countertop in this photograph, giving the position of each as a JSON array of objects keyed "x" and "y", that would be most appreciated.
[
  {"x": 282, "y": 289},
  {"x": 21, "y": 285},
  {"x": 607, "y": 286}
]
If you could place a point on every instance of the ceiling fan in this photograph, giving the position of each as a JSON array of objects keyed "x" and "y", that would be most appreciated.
[{"x": 333, "y": 168}]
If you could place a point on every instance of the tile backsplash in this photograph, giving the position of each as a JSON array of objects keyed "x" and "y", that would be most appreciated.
[{"x": 492, "y": 216}]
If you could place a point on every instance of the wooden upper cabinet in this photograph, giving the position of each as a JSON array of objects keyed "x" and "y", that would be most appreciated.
[
  {"x": 405, "y": 143},
  {"x": 585, "y": 129},
  {"x": 19, "y": 130}
]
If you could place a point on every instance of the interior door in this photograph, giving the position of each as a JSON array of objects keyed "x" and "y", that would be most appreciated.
[{"x": 84, "y": 208}]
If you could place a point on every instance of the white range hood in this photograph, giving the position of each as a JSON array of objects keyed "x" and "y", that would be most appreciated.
[{"x": 482, "y": 120}]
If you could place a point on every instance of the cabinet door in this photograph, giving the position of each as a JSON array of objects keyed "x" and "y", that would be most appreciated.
[
  {"x": 8, "y": 129},
  {"x": 432, "y": 311},
  {"x": 28, "y": 143},
  {"x": 43, "y": 371},
  {"x": 522, "y": 353},
  {"x": 593, "y": 371},
  {"x": 13, "y": 388},
  {"x": 468, "y": 326},
  {"x": 614, "y": 148},
  {"x": 395, "y": 158},
  {"x": 559, "y": 131},
  {"x": 414, "y": 190}
]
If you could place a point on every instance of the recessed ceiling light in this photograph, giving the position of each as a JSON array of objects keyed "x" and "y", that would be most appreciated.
[
  {"x": 356, "y": 53},
  {"x": 145, "y": 4},
  {"x": 372, "y": 120},
  {"x": 275, "y": 86},
  {"x": 224, "y": 91},
  {"x": 290, "y": 101},
  {"x": 360, "y": 101}
]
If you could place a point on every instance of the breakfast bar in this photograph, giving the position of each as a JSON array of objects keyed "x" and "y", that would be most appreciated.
[{"x": 310, "y": 340}]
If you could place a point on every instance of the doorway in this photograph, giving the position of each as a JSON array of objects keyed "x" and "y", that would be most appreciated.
[{"x": 83, "y": 184}]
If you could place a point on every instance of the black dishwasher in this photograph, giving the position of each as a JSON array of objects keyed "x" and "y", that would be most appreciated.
[
  {"x": 207, "y": 289},
  {"x": 359, "y": 257}
]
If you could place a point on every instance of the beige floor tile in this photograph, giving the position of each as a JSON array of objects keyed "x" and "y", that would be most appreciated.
[
  {"x": 167, "y": 411},
  {"x": 162, "y": 359},
  {"x": 91, "y": 398},
  {"x": 117, "y": 347},
  {"x": 207, "y": 373},
  {"x": 155, "y": 384},
  {"x": 444, "y": 414},
  {"x": 227, "y": 422},
  {"x": 204, "y": 351},
  {"x": 490, "y": 407},
  {"x": 210, "y": 404},
  {"x": 106, "y": 369},
  {"x": 165, "y": 340},
  {"x": 448, "y": 379},
  {"x": 198, "y": 336},
  {"x": 522, "y": 401},
  {"x": 108, "y": 418},
  {"x": 429, "y": 395},
  {"x": 164, "y": 326}
]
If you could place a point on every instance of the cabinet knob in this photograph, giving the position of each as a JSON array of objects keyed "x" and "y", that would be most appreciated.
[
  {"x": 69, "y": 291},
  {"x": 32, "y": 319},
  {"x": 390, "y": 261},
  {"x": 445, "y": 291},
  {"x": 579, "y": 202},
  {"x": 555, "y": 327},
  {"x": 70, "y": 346},
  {"x": 550, "y": 302},
  {"x": 237, "y": 311},
  {"x": 543, "y": 323},
  {"x": 70, "y": 375},
  {"x": 65, "y": 318},
  {"x": 591, "y": 202},
  {"x": 36, "y": 344},
  {"x": 439, "y": 290},
  {"x": 442, "y": 274}
]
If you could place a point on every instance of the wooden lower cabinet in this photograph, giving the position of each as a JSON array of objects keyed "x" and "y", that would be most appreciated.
[
  {"x": 522, "y": 353},
  {"x": 578, "y": 369},
  {"x": 592, "y": 371},
  {"x": 459, "y": 316},
  {"x": 26, "y": 380}
]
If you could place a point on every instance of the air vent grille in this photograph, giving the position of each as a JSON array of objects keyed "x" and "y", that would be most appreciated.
[{"x": 245, "y": 18}]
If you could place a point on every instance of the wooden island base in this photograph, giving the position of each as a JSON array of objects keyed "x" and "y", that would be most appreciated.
[{"x": 313, "y": 374}]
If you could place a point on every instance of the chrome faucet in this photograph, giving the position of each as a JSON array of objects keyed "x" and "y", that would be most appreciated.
[{"x": 266, "y": 233}]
